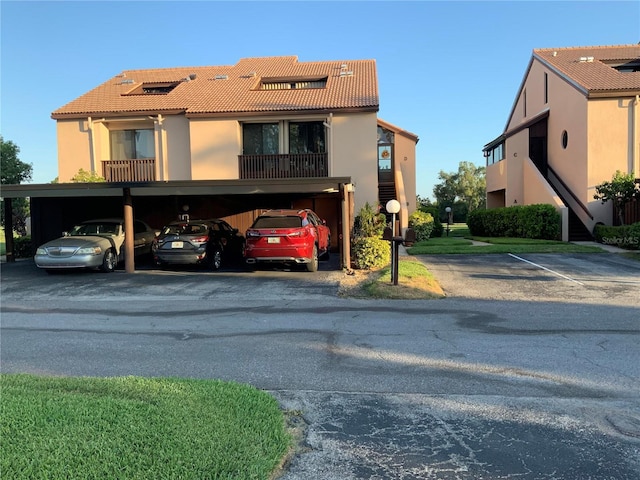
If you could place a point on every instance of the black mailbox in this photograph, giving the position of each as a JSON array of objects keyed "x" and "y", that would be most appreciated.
[{"x": 409, "y": 237}]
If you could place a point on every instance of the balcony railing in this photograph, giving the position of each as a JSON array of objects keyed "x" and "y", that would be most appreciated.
[
  {"x": 140, "y": 170},
  {"x": 283, "y": 166}
]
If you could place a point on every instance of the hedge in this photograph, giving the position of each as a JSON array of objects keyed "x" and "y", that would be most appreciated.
[
  {"x": 540, "y": 221},
  {"x": 422, "y": 223},
  {"x": 623, "y": 236}
]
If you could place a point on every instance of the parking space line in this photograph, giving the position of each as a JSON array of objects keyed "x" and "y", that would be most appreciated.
[{"x": 545, "y": 268}]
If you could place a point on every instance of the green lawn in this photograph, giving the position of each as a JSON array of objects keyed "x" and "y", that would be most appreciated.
[
  {"x": 130, "y": 427},
  {"x": 459, "y": 241}
]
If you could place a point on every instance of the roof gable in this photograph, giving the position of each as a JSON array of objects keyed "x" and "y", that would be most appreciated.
[
  {"x": 595, "y": 70},
  {"x": 234, "y": 89},
  {"x": 589, "y": 69}
]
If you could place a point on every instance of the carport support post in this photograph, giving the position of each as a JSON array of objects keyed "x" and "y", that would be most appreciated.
[
  {"x": 129, "y": 264},
  {"x": 8, "y": 230}
]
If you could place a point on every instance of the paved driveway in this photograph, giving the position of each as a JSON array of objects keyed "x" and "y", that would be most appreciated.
[
  {"x": 597, "y": 278},
  {"x": 538, "y": 379}
]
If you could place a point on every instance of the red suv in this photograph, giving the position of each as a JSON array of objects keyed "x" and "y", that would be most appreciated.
[{"x": 288, "y": 236}]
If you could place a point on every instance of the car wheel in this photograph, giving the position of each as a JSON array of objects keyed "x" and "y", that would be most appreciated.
[
  {"x": 313, "y": 265},
  {"x": 215, "y": 259},
  {"x": 109, "y": 261}
]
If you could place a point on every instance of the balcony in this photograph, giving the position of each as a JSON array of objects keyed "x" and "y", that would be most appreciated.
[
  {"x": 140, "y": 170},
  {"x": 301, "y": 165}
]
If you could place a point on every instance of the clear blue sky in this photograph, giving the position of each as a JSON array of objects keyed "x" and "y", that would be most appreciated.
[{"x": 447, "y": 71}]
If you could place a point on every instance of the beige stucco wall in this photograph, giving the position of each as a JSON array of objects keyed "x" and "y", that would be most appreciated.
[
  {"x": 73, "y": 148},
  {"x": 354, "y": 153},
  {"x": 173, "y": 149},
  {"x": 215, "y": 146},
  {"x": 497, "y": 176},
  {"x": 200, "y": 149},
  {"x": 610, "y": 147},
  {"x": 516, "y": 151},
  {"x": 405, "y": 162},
  {"x": 536, "y": 188},
  {"x": 568, "y": 113}
]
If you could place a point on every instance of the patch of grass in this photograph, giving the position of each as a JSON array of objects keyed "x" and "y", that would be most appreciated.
[
  {"x": 483, "y": 249},
  {"x": 141, "y": 428},
  {"x": 517, "y": 241},
  {"x": 632, "y": 255},
  {"x": 415, "y": 282},
  {"x": 3, "y": 249},
  {"x": 457, "y": 230},
  {"x": 459, "y": 245}
]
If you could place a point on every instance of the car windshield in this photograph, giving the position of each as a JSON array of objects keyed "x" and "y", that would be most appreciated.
[
  {"x": 185, "y": 229},
  {"x": 98, "y": 228},
  {"x": 293, "y": 221}
]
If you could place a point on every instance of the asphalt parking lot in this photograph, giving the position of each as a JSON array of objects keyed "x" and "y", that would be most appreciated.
[{"x": 530, "y": 368}]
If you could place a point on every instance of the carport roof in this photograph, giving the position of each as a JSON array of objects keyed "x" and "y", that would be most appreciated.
[{"x": 178, "y": 187}]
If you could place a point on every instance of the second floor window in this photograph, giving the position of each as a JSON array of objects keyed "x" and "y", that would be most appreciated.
[
  {"x": 132, "y": 144},
  {"x": 265, "y": 138},
  {"x": 260, "y": 139},
  {"x": 306, "y": 137}
]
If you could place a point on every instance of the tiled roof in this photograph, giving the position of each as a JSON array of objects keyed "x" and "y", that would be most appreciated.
[
  {"x": 591, "y": 68},
  {"x": 350, "y": 85}
]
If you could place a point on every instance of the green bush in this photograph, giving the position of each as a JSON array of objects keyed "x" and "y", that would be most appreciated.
[
  {"x": 422, "y": 223},
  {"x": 370, "y": 252},
  {"x": 540, "y": 221},
  {"x": 369, "y": 222},
  {"x": 623, "y": 236},
  {"x": 438, "y": 229},
  {"x": 23, "y": 247}
]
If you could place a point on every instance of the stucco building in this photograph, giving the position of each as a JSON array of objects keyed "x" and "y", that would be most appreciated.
[
  {"x": 227, "y": 141},
  {"x": 574, "y": 122}
]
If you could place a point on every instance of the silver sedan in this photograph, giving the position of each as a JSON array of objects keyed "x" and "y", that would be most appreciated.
[{"x": 94, "y": 244}]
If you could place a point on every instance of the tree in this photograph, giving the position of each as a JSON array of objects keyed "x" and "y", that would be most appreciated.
[
  {"x": 14, "y": 171},
  {"x": 87, "y": 177},
  {"x": 446, "y": 191},
  {"x": 472, "y": 185},
  {"x": 620, "y": 190},
  {"x": 83, "y": 177},
  {"x": 465, "y": 188}
]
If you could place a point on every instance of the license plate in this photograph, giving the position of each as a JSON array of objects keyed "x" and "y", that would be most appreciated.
[
  {"x": 273, "y": 239},
  {"x": 177, "y": 244}
]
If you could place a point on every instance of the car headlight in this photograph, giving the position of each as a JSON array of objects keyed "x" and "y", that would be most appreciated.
[
  {"x": 89, "y": 251},
  {"x": 41, "y": 251}
]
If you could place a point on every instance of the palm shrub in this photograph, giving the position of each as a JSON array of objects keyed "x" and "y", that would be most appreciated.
[
  {"x": 422, "y": 223},
  {"x": 368, "y": 250}
]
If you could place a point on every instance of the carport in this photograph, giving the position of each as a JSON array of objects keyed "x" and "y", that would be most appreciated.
[{"x": 56, "y": 207}]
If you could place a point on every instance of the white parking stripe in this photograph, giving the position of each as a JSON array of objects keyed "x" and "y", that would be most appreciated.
[{"x": 545, "y": 268}]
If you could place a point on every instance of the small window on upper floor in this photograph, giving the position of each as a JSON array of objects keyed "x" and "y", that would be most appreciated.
[
  {"x": 624, "y": 67},
  {"x": 292, "y": 83},
  {"x": 157, "y": 88},
  {"x": 546, "y": 87},
  {"x": 494, "y": 154}
]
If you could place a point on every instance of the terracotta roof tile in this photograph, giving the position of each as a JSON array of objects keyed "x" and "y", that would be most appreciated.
[
  {"x": 592, "y": 67},
  {"x": 234, "y": 89}
]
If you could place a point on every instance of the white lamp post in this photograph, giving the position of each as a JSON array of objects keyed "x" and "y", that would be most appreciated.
[
  {"x": 393, "y": 207},
  {"x": 448, "y": 210}
]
